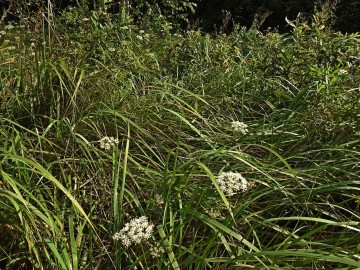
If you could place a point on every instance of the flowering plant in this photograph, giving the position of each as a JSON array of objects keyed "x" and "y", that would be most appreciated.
[
  {"x": 107, "y": 142},
  {"x": 232, "y": 182},
  {"x": 239, "y": 127},
  {"x": 135, "y": 231}
]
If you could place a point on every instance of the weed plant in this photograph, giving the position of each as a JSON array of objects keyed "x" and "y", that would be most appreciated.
[{"x": 113, "y": 140}]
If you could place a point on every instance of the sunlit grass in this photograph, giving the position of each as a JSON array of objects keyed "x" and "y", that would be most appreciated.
[{"x": 167, "y": 105}]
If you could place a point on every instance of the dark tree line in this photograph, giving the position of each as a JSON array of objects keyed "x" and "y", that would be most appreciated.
[
  {"x": 213, "y": 14},
  {"x": 210, "y": 15},
  {"x": 348, "y": 16},
  {"x": 268, "y": 13}
]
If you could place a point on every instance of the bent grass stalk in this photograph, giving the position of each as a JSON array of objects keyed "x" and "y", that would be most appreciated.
[{"x": 33, "y": 166}]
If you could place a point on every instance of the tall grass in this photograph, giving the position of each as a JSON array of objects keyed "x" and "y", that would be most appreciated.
[{"x": 169, "y": 100}]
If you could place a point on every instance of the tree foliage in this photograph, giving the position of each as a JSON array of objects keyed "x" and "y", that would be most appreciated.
[
  {"x": 210, "y": 15},
  {"x": 263, "y": 14}
]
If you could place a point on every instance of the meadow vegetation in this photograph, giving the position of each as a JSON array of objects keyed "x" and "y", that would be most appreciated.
[{"x": 137, "y": 146}]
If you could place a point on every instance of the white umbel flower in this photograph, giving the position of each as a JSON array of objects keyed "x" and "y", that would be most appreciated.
[
  {"x": 232, "y": 182},
  {"x": 107, "y": 142},
  {"x": 156, "y": 251},
  {"x": 135, "y": 231},
  {"x": 239, "y": 127}
]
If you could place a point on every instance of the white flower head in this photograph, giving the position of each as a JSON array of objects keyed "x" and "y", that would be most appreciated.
[
  {"x": 116, "y": 236},
  {"x": 135, "y": 231},
  {"x": 343, "y": 72},
  {"x": 232, "y": 182},
  {"x": 156, "y": 251},
  {"x": 214, "y": 213},
  {"x": 107, "y": 142},
  {"x": 239, "y": 127}
]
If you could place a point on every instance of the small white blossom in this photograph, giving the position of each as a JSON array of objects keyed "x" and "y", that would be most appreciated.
[
  {"x": 135, "y": 231},
  {"x": 232, "y": 182},
  {"x": 9, "y": 26},
  {"x": 139, "y": 37},
  {"x": 156, "y": 251},
  {"x": 107, "y": 142},
  {"x": 239, "y": 127},
  {"x": 116, "y": 236},
  {"x": 214, "y": 213},
  {"x": 343, "y": 72}
]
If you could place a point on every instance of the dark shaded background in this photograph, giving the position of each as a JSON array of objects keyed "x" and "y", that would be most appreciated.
[{"x": 213, "y": 15}]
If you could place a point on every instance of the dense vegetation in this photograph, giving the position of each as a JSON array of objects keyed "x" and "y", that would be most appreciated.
[
  {"x": 210, "y": 15},
  {"x": 128, "y": 144}
]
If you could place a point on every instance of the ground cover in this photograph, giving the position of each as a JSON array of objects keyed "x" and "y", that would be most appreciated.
[{"x": 134, "y": 147}]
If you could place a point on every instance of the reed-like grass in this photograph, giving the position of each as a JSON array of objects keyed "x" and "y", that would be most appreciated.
[{"x": 170, "y": 100}]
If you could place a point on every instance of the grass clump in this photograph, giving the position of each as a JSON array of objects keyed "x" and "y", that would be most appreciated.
[{"x": 106, "y": 127}]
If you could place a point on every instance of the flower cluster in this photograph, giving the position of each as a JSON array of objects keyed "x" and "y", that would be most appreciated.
[
  {"x": 135, "y": 231},
  {"x": 239, "y": 127},
  {"x": 156, "y": 251},
  {"x": 107, "y": 142},
  {"x": 232, "y": 182},
  {"x": 214, "y": 213},
  {"x": 141, "y": 36}
]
